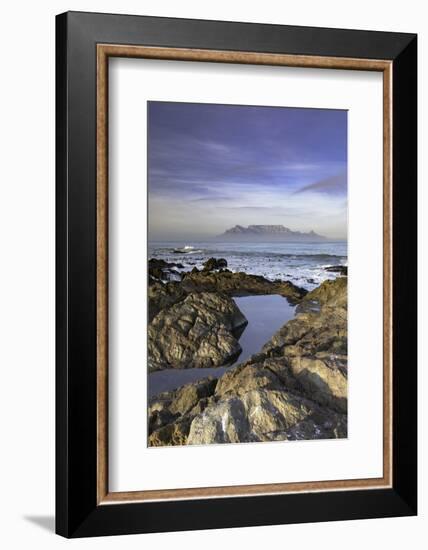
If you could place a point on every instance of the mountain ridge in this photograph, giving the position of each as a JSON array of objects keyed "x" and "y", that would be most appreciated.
[{"x": 276, "y": 232}]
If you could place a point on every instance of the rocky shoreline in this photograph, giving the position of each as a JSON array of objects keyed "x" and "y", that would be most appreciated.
[{"x": 294, "y": 388}]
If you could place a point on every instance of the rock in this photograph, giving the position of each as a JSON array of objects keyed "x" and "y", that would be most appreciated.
[
  {"x": 341, "y": 269},
  {"x": 214, "y": 263},
  {"x": 314, "y": 344},
  {"x": 240, "y": 284},
  {"x": 162, "y": 296},
  {"x": 199, "y": 331},
  {"x": 162, "y": 270},
  {"x": 294, "y": 388},
  {"x": 268, "y": 374},
  {"x": 171, "y": 434},
  {"x": 335, "y": 293},
  {"x": 187, "y": 397},
  {"x": 261, "y": 415},
  {"x": 171, "y": 413},
  {"x": 265, "y": 401},
  {"x": 310, "y": 333},
  {"x": 225, "y": 422},
  {"x": 323, "y": 381}
]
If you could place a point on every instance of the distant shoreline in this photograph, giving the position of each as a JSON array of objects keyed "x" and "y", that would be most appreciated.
[{"x": 216, "y": 240}]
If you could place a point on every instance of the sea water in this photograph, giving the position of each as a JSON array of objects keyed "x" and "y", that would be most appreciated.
[{"x": 302, "y": 263}]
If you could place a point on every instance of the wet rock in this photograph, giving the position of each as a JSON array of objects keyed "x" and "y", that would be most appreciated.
[
  {"x": 164, "y": 295},
  {"x": 162, "y": 270},
  {"x": 199, "y": 331},
  {"x": 214, "y": 263},
  {"x": 341, "y": 269},
  {"x": 240, "y": 284}
]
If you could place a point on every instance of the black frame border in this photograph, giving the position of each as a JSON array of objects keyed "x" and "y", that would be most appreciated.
[{"x": 77, "y": 512}]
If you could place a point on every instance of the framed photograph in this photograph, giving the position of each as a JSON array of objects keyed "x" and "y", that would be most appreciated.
[{"x": 236, "y": 274}]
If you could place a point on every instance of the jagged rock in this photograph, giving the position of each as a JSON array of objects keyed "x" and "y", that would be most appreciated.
[
  {"x": 171, "y": 434},
  {"x": 214, "y": 263},
  {"x": 162, "y": 270},
  {"x": 341, "y": 269},
  {"x": 261, "y": 415},
  {"x": 239, "y": 284},
  {"x": 323, "y": 381},
  {"x": 187, "y": 397},
  {"x": 162, "y": 296},
  {"x": 181, "y": 405},
  {"x": 199, "y": 331},
  {"x": 295, "y": 388},
  {"x": 335, "y": 293},
  {"x": 268, "y": 374},
  {"x": 314, "y": 344}
]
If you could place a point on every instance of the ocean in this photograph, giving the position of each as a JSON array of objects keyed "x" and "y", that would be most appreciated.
[{"x": 302, "y": 263}]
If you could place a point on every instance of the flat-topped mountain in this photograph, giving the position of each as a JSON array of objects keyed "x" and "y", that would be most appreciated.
[{"x": 267, "y": 233}]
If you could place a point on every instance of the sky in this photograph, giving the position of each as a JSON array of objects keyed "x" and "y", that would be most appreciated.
[{"x": 211, "y": 167}]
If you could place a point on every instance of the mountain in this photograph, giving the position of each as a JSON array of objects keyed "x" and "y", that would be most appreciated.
[{"x": 268, "y": 233}]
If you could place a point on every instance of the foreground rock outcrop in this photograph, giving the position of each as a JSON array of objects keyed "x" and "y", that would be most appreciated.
[
  {"x": 202, "y": 330},
  {"x": 295, "y": 388},
  {"x": 162, "y": 296}
]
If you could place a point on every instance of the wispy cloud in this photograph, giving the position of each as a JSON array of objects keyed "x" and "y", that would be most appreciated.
[
  {"x": 334, "y": 185},
  {"x": 212, "y": 166}
]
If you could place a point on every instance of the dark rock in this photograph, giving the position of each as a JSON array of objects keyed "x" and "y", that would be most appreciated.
[
  {"x": 171, "y": 413},
  {"x": 341, "y": 269},
  {"x": 240, "y": 284},
  {"x": 214, "y": 263},
  {"x": 162, "y": 296},
  {"x": 162, "y": 270}
]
